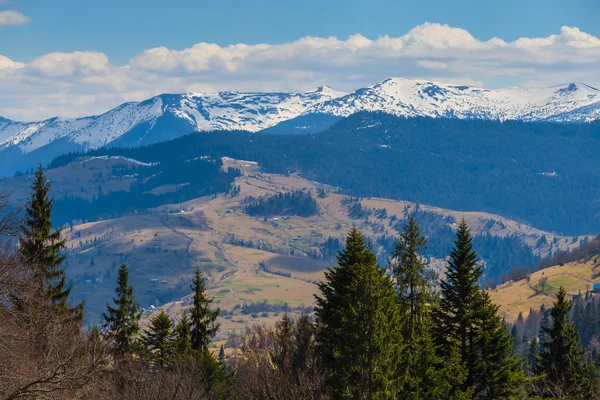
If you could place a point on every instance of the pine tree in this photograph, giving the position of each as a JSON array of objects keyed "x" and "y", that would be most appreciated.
[
  {"x": 203, "y": 320},
  {"x": 532, "y": 356},
  {"x": 121, "y": 322},
  {"x": 159, "y": 339},
  {"x": 499, "y": 371},
  {"x": 222, "y": 355},
  {"x": 566, "y": 373},
  {"x": 359, "y": 325},
  {"x": 426, "y": 373},
  {"x": 183, "y": 336},
  {"x": 283, "y": 334},
  {"x": 44, "y": 248},
  {"x": 466, "y": 318},
  {"x": 414, "y": 282},
  {"x": 460, "y": 296}
]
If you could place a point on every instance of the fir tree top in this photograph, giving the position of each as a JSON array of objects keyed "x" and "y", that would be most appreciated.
[
  {"x": 42, "y": 247},
  {"x": 203, "y": 320},
  {"x": 121, "y": 321}
]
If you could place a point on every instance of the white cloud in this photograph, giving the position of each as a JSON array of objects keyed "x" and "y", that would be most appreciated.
[
  {"x": 12, "y": 17},
  {"x": 6, "y": 64},
  {"x": 70, "y": 64},
  {"x": 80, "y": 83}
]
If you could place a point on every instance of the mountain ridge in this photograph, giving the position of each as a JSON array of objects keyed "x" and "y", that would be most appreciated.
[{"x": 168, "y": 116}]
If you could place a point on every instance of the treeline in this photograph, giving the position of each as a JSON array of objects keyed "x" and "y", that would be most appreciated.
[
  {"x": 297, "y": 202},
  {"x": 586, "y": 250},
  {"x": 199, "y": 177},
  {"x": 380, "y": 332}
]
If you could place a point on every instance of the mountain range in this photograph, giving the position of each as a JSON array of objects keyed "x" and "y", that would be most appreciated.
[{"x": 168, "y": 116}]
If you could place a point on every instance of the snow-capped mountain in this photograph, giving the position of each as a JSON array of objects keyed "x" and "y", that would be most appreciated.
[
  {"x": 168, "y": 116},
  {"x": 410, "y": 98}
]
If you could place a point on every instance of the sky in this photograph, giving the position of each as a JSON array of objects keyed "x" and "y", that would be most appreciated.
[{"x": 73, "y": 58}]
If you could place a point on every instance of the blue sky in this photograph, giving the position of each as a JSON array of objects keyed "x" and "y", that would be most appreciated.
[
  {"x": 74, "y": 58},
  {"x": 122, "y": 28}
]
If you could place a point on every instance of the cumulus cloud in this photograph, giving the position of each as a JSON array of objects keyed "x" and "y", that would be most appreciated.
[
  {"x": 12, "y": 17},
  {"x": 80, "y": 83}
]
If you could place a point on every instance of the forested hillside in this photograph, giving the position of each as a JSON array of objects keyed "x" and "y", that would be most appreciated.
[
  {"x": 378, "y": 332},
  {"x": 547, "y": 175}
]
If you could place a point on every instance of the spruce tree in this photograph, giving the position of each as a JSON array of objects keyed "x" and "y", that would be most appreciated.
[
  {"x": 44, "y": 248},
  {"x": 158, "y": 339},
  {"x": 359, "y": 326},
  {"x": 499, "y": 371},
  {"x": 183, "y": 336},
  {"x": 466, "y": 319},
  {"x": 426, "y": 373},
  {"x": 122, "y": 321},
  {"x": 414, "y": 281},
  {"x": 203, "y": 320},
  {"x": 222, "y": 356},
  {"x": 460, "y": 297},
  {"x": 566, "y": 373}
]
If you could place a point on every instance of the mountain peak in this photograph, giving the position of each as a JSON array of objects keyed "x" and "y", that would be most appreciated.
[{"x": 327, "y": 90}]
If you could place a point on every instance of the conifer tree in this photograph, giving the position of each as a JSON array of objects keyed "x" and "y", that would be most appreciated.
[
  {"x": 183, "y": 336},
  {"x": 499, "y": 371},
  {"x": 532, "y": 356},
  {"x": 414, "y": 281},
  {"x": 359, "y": 325},
  {"x": 466, "y": 318},
  {"x": 203, "y": 320},
  {"x": 566, "y": 372},
  {"x": 222, "y": 355},
  {"x": 44, "y": 248},
  {"x": 426, "y": 373},
  {"x": 159, "y": 338},
  {"x": 122, "y": 321},
  {"x": 460, "y": 296}
]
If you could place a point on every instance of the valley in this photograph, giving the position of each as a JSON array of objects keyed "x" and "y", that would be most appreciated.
[{"x": 256, "y": 267}]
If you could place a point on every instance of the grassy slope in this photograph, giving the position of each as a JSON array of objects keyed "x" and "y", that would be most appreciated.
[
  {"x": 520, "y": 296},
  {"x": 169, "y": 242}
]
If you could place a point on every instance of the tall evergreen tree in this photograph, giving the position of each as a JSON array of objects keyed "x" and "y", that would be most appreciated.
[
  {"x": 460, "y": 296},
  {"x": 466, "y": 318},
  {"x": 158, "y": 339},
  {"x": 203, "y": 320},
  {"x": 414, "y": 281},
  {"x": 122, "y": 321},
  {"x": 183, "y": 336},
  {"x": 359, "y": 326},
  {"x": 566, "y": 372},
  {"x": 426, "y": 373},
  {"x": 43, "y": 247},
  {"x": 499, "y": 371}
]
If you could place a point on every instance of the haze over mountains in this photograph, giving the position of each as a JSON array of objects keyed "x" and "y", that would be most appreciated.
[{"x": 168, "y": 116}]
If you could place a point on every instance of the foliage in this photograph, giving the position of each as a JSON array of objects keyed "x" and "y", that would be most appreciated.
[
  {"x": 158, "y": 339},
  {"x": 121, "y": 321},
  {"x": 466, "y": 318},
  {"x": 566, "y": 372},
  {"x": 43, "y": 247},
  {"x": 359, "y": 325},
  {"x": 203, "y": 320},
  {"x": 296, "y": 202}
]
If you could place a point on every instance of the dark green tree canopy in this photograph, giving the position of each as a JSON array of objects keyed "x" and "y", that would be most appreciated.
[
  {"x": 561, "y": 361},
  {"x": 42, "y": 246},
  {"x": 359, "y": 325},
  {"x": 203, "y": 321},
  {"x": 159, "y": 338},
  {"x": 122, "y": 320}
]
